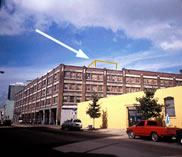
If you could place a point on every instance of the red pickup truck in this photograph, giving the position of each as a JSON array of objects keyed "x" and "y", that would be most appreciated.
[{"x": 152, "y": 129}]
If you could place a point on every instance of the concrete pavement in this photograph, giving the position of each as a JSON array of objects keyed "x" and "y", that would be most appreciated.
[{"x": 119, "y": 145}]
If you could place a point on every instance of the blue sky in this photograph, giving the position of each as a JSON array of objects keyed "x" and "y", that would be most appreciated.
[{"x": 139, "y": 34}]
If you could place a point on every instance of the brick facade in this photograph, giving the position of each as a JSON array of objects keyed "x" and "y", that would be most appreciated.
[{"x": 43, "y": 99}]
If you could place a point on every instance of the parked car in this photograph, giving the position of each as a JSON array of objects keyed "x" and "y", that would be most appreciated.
[
  {"x": 72, "y": 124},
  {"x": 7, "y": 122},
  {"x": 179, "y": 136},
  {"x": 152, "y": 129}
]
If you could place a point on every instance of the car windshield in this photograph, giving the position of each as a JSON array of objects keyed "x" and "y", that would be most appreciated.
[{"x": 77, "y": 120}]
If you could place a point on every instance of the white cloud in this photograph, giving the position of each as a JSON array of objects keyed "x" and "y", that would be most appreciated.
[
  {"x": 174, "y": 45},
  {"x": 139, "y": 60},
  {"x": 159, "y": 21}
]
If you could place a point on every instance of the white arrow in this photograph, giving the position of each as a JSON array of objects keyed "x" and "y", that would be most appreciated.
[{"x": 79, "y": 53}]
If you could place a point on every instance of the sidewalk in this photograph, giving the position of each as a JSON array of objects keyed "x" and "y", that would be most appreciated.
[
  {"x": 109, "y": 145},
  {"x": 114, "y": 132},
  {"x": 111, "y": 132}
]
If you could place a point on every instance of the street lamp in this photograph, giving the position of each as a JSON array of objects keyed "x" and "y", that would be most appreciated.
[{"x": 2, "y": 72}]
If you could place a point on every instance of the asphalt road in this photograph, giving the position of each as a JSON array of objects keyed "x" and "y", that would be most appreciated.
[
  {"x": 41, "y": 141},
  {"x": 33, "y": 141}
]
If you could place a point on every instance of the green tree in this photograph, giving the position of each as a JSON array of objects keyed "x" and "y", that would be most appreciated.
[
  {"x": 148, "y": 106},
  {"x": 94, "y": 108}
]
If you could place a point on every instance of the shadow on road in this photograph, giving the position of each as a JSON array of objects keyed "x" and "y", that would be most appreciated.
[{"x": 41, "y": 141}]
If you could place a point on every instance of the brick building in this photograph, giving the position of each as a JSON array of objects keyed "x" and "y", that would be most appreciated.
[{"x": 53, "y": 98}]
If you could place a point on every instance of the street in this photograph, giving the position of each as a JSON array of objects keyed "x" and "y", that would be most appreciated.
[{"x": 42, "y": 141}]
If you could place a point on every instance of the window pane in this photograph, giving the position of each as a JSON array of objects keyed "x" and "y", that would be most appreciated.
[
  {"x": 171, "y": 112},
  {"x": 141, "y": 123},
  {"x": 65, "y": 99},
  {"x": 153, "y": 123},
  {"x": 94, "y": 77},
  {"x": 88, "y": 76},
  {"x": 72, "y": 99}
]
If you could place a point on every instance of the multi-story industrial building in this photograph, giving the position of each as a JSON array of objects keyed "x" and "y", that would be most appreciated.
[{"x": 53, "y": 98}]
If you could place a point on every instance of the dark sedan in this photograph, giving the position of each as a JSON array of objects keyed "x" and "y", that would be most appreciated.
[{"x": 179, "y": 136}]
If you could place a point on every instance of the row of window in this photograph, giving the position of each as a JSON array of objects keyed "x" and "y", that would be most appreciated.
[
  {"x": 166, "y": 82},
  {"x": 132, "y": 89},
  {"x": 150, "y": 81},
  {"x": 134, "y": 80},
  {"x": 94, "y": 88},
  {"x": 42, "y": 84},
  {"x": 114, "y": 89},
  {"x": 95, "y": 77},
  {"x": 73, "y": 75},
  {"x": 71, "y": 99},
  {"x": 72, "y": 86},
  {"x": 40, "y": 104},
  {"x": 43, "y": 93},
  {"x": 178, "y": 83}
]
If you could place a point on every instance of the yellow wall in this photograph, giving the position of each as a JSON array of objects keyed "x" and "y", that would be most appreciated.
[{"x": 116, "y": 107}]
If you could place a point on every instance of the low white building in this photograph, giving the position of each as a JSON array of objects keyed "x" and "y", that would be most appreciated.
[
  {"x": 2, "y": 115},
  {"x": 8, "y": 111}
]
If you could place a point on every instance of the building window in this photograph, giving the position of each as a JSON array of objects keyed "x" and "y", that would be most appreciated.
[
  {"x": 94, "y": 77},
  {"x": 67, "y": 74},
  {"x": 65, "y": 99},
  {"x": 170, "y": 107},
  {"x": 120, "y": 89},
  {"x": 108, "y": 78},
  {"x": 72, "y": 99},
  {"x": 78, "y": 99},
  {"x": 56, "y": 76},
  {"x": 43, "y": 83},
  {"x": 50, "y": 80},
  {"x": 178, "y": 83},
  {"x": 43, "y": 92},
  {"x": 120, "y": 79},
  {"x": 88, "y": 87},
  {"x": 55, "y": 100},
  {"x": 55, "y": 87},
  {"x": 73, "y": 75},
  {"x": 88, "y": 76},
  {"x": 49, "y": 91},
  {"x": 108, "y": 88},
  {"x": 133, "y": 80},
  {"x": 79, "y": 87},
  {"x": 88, "y": 98},
  {"x": 42, "y": 103},
  {"x": 66, "y": 86},
  {"x": 114, "y": 78},
  {"x": 48, "y": 101},
  {"x": 166, "y": 82},
  {"x": 94, "y": 88},
  {"x": 79, "y": 76},
  {"x": 37, "y": 104},
  {"x": 100, "y": 77},
  {"x": 38, "y": 95},
  {"x": 100, "y": 88},
  {"x": 73, "y": 86}
]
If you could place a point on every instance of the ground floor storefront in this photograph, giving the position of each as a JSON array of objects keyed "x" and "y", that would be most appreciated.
[{"x": 47, "y": 116}]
